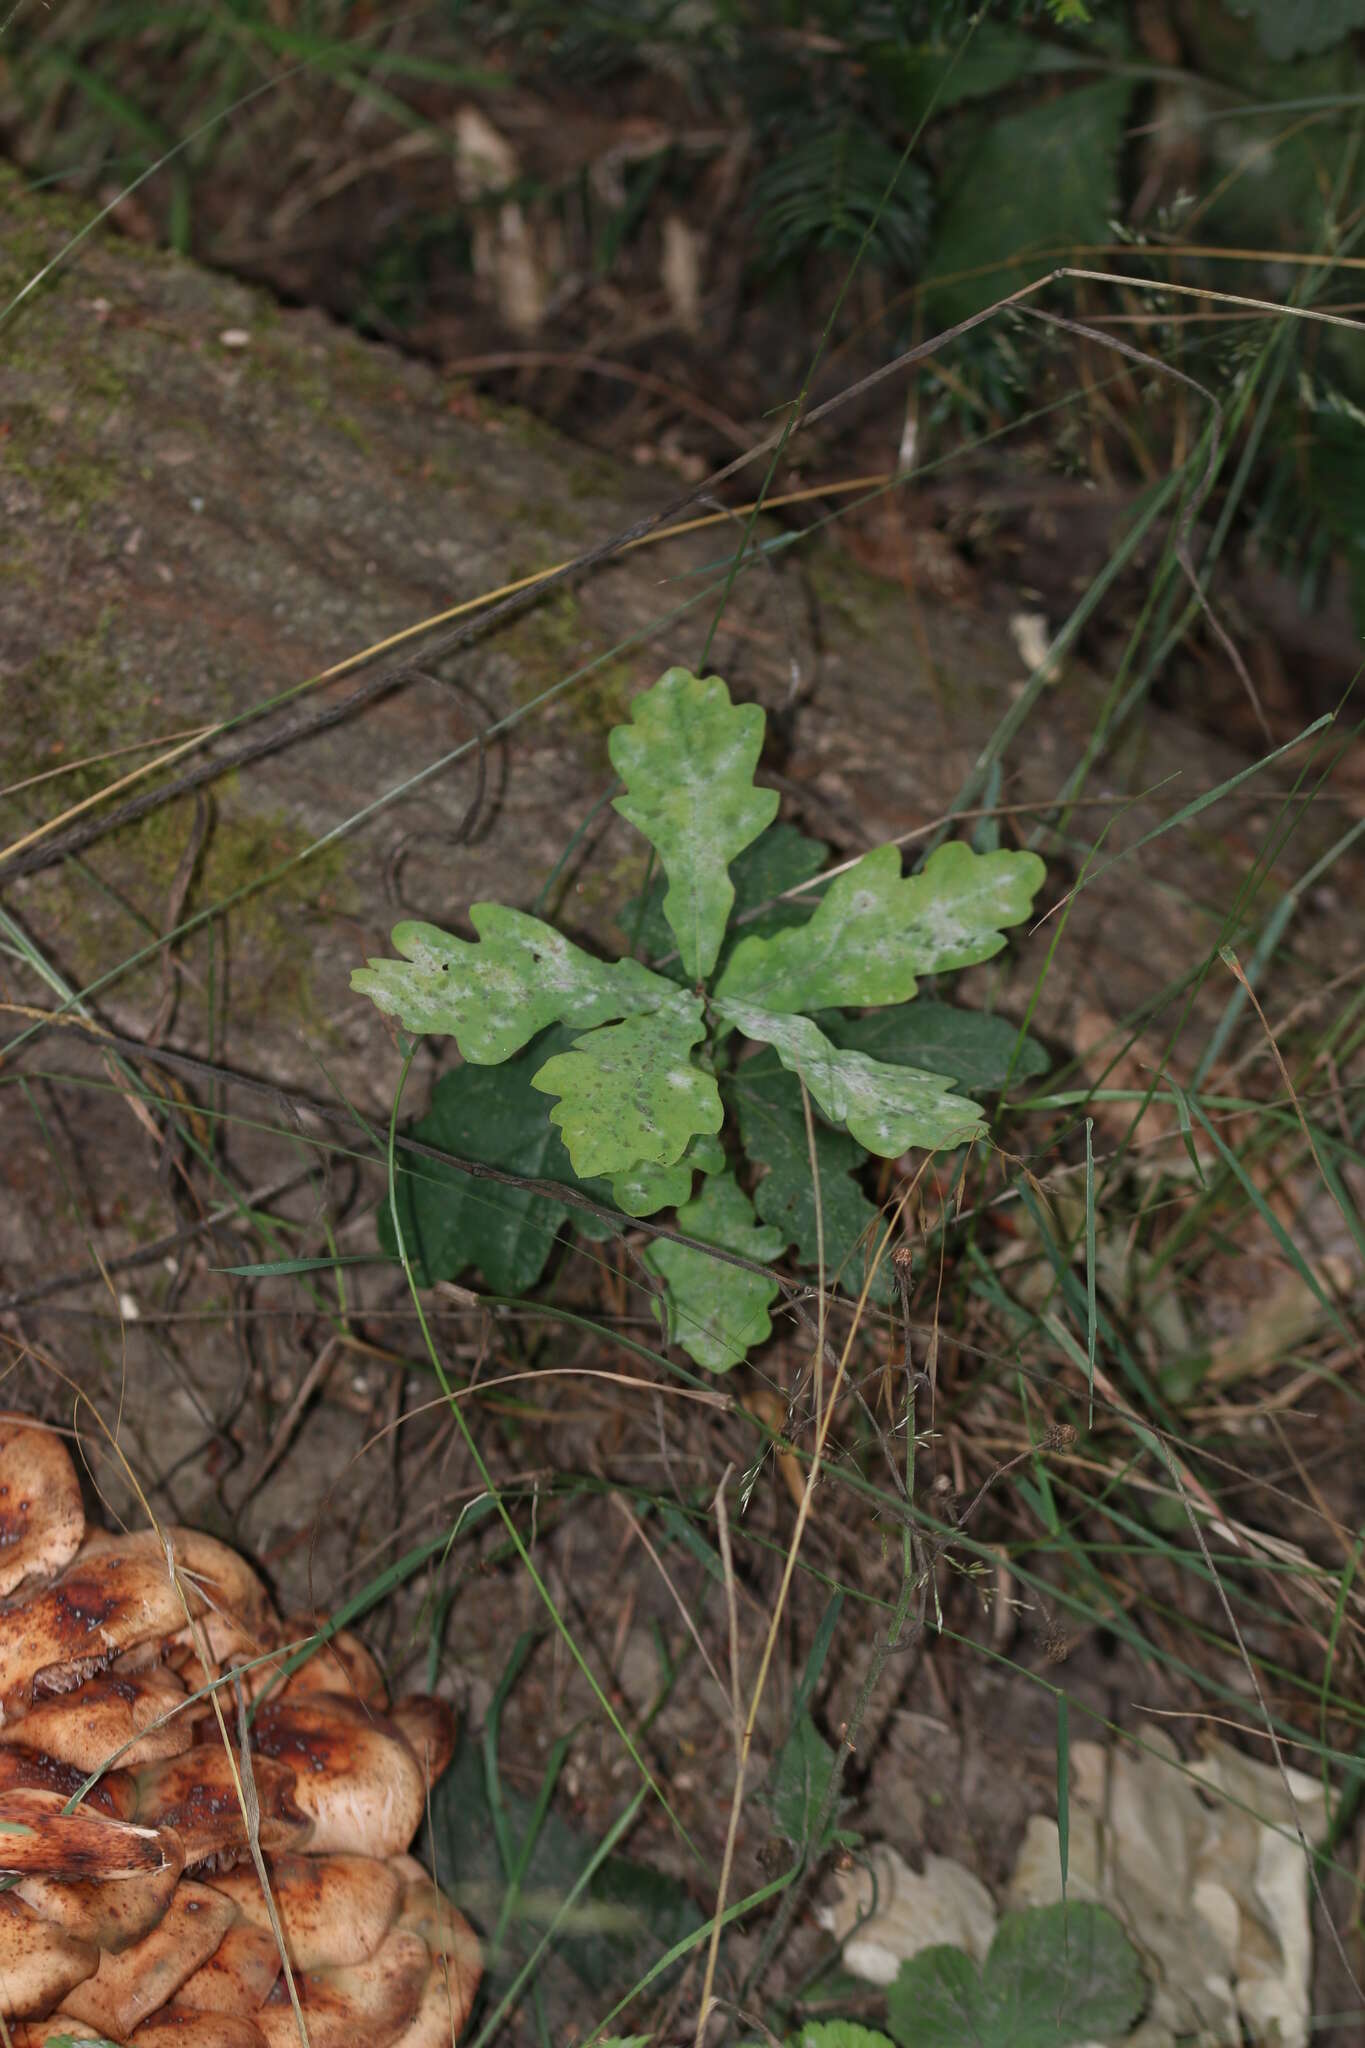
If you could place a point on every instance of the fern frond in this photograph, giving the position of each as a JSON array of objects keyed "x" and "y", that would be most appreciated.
[{"x": 827, "y": 187}]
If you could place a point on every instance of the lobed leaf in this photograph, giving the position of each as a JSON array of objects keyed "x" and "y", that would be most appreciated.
[
  {"x": 492, "y": 996},
  {"x": 452, "y": 1221},
  {"x": 838, "y": 2034},
  {"x": 1055, "y": 1975},
  {"x": 644, "y": 1189},
  {"x": 687, "y": 759},
  {"x": 886, "y": 1108},
  {"x": 766, "y": 1100},
  {"x": 779, "y": 859},
  {"x": 629, "y": 1093},
  {"x": 716, "y": 1311},
  {"x": 974, "y": 1046},
  {"x": 875, "y": 930}
]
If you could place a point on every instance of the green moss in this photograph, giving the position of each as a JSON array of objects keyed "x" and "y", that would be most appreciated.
[
  {"x": 585, "y": 474},
  {"x": 98, "y": 911},
  {"x": 73, "y": 701},
  {"x": 38, "y": 229},
  {"x": 34, "y": 232},
  {"x": 291, "y": 370},
  {"x": 861, "y": 598},
  {"x": 79, "y": 701},
  {"x": 547, "y": 644},
  {"x": 37, "y": 450}
]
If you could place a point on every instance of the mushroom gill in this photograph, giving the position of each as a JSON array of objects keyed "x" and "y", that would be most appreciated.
[{"x": 98, "y": 1718}]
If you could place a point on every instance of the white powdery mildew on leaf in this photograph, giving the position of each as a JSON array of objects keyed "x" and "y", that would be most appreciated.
[
  {"x": 494, "y": 994},
  {"x": 886, "y": 1108},
  {"x": 629, "y": 1096},
  {"x": 687, "y": 760},
  {"x": 876, "y": 931}
]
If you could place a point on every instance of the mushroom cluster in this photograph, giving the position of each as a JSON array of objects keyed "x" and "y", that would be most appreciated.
[{"x": 131, "y": 1908}]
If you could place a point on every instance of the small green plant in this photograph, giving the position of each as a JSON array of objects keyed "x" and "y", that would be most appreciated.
[
  {"x": 1055, "y": 1975},
  {"x": 647, "y": 1065}
]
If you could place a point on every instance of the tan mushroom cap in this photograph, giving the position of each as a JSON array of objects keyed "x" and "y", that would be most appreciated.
[
  {"x": 217, "y": 1587},
  {"x": 341, "y": 1664},
  {"x": 238, "y": 1976},
  {"x": 114, "y": 1794},
  {"x": 178, "y": 2026},
  {"x": 41, "y": 1517},
  {"x": 40, "y": 1965},
  {"x": 332, "y": 1909},
  {"x": 238, "y": 1619},
  {"x": 370, "y": 2003},
  {"x": 38, "y": 1837},
  {"x": 116, "y": 1595},
  {"x": 448, "y": 1935},
  {"x": 456, "y": 1962},
  {"x": 89, "y": 1724},
  {"x": 429, "y": 1727},
  {"x": 442, "y": 2010},
  {"x": 197, "y": 1794},
  {"x": 130, "y": 1987},
  {"x": 113, "y": 1914},
  {"x": 355, "y": 1775}
]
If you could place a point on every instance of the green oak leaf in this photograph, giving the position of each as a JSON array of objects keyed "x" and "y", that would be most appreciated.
[
  {"x": 67, "y": 2040},
  {"x": 886, "y": 1108},
  {"x": 875, "y": 930},
  {"x": 687, "y": 759},
  {"x": 766, "y": 1100},
  {"x": 1055, "y": 1975},
  {"x": 838, "y": 2034},
  {"x": 644, "y": 1189},
  {"x": 974, "y": 1046},
  {"x": 779, "y": 859},
  {"x": 630, "y": 1094},
  {"x": 494, "y": 995},
  {"x": 717, "y": 1312},
  {"x": 452, "y": 1221}
]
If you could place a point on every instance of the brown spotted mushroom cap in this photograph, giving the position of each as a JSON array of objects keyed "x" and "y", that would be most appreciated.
[
  {"x": 355, "y": 1775},
  {"x": 134, "y": 1913},
  {"x": 41, "y": 1517}
]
